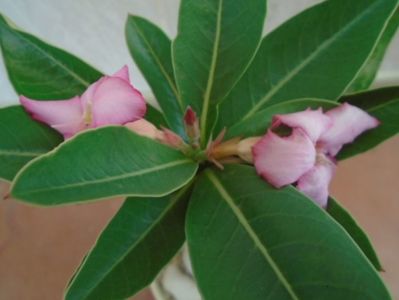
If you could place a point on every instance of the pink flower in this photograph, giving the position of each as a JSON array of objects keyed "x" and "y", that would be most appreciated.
[
  {"x": 306, "y": 155},
  {"x": 111, "y": 100}
]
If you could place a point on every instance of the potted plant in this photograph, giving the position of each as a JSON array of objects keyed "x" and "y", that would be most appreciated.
[{"x": 236, "y": 160}]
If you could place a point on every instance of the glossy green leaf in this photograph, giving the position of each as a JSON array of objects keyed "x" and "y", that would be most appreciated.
[
  {"x": 267, "y": 243},
  {"x": 142, "y": 237},
  {"x": 21, "y": 140},
  {"x": 315, "y": 54},
  {"x": 382, "y": 104},
  {"x": 151, "y": 50},
  {"x": 102, "y": 163},
  {"x": 345, "y": 219},
  {"x": 259, "y": 122},
  {"x": 216, "y": 40},
  {"x": 39, "y": 70},
  {"x": 154, "y": 116},
  {"x": 372, "y": 98},
  {"x": 369, "y": 71}
]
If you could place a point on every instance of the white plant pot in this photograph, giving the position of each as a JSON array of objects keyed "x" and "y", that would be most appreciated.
[{"x": 176, "y": 281}]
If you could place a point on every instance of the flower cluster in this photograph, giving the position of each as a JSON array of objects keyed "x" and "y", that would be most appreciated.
[{"x": 305, "y": 156}]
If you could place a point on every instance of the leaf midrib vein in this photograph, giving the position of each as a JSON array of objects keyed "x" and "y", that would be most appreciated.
[
  {"x": 113, "y": 178},
  {"x": 276, "y": 88},
  {"x": 207, "y": 95},
  {"x": 52, "y": 58},
  {"x": 247, "y": 227},
  {"x": 20, "y": 153}
]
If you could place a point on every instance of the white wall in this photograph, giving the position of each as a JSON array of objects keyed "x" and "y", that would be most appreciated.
[{"x": 94, "y": 29}]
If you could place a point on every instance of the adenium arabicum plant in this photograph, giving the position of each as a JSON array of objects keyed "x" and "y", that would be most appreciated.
[{"x": 236, "y": 161}]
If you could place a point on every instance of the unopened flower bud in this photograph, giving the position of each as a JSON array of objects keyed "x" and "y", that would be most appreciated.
[
  {"x": 165, "y": 136},
  {"x": 192, "y": 126},
  {"x": 172, "y": 139},
  {"x": 145, "y": 128}
]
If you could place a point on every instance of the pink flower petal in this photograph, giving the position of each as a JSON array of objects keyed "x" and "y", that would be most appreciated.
[
  {"x": 87, "y": 96},
  {"x": 313, "y": 122},
  {"x": 115, "y": 101},
  {"x": 68, "y": 130},
  {"x": 282, "y": 160},
  {"x": 315, "y": 183},
  {"x": 123, "y": 73},
  {"x": 63, "y": 115},
  {"x": 348, "y": 122}
]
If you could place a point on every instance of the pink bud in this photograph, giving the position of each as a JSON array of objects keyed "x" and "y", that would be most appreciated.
[
  {"x": 172, "y": 139},
  {"x": 165, "y": 136},
  {"x": 144, "y": 128},
  {"x": 190, "y": 117},
  {"x": 192, "y": 126}
]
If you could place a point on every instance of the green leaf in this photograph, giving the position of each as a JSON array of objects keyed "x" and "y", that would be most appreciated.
[
  {"x": 315, "y": 54},
  {"x": 258, "y": 123},
  {"x": 372, "y": 98},
  {"x": 382, "y": 104},
  {"x": 154, "y": 116},
  {"x": 143, "y": 236},
  {"x": 102, "y": 163},
  {"x": 367, "y": 74},
  {"x": 216, "y": 41},
  {"x": 39, "y": 70},
  {"x": 345, "y": 219},
  {"x": 21, "y": 140},
  {"x": 151, "y": 50},
  {"x": 267, "y": 243}
]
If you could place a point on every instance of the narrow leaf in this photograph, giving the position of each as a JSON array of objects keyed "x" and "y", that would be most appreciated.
[
  {"x": 21, "y": 140},
  {"x": 345, "y": 219},
  {"x": 367, "y": 74},
  {"x": 265, "y": 243},
  {"x": 39, "y": 70},
  {"x": 154, "y": 116},
  {"x": 372, "y": 98},
  {"x": 382, "y": 104},
  {"x": 142, "y": 237},
  {"x": 216, "y": 40},
  {"x": 102, "y": 163},
  {"x": 315, "y": 54},
  {"x": 151, "y": 50}
]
